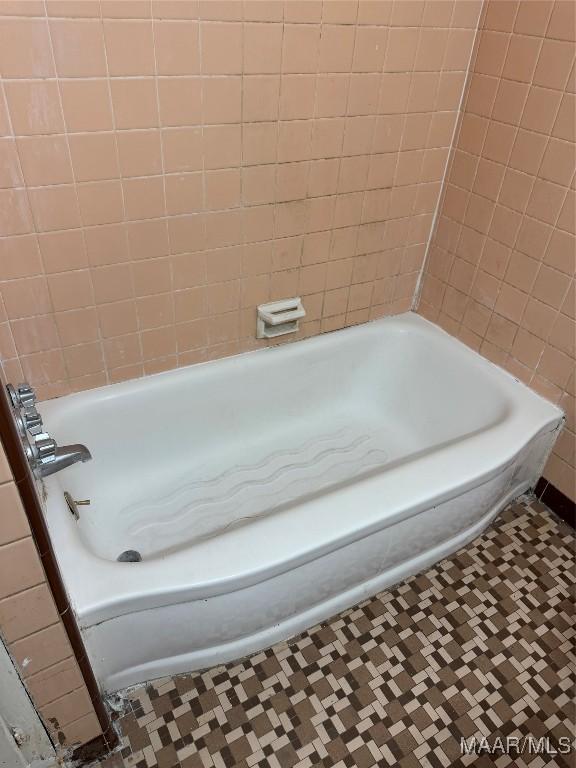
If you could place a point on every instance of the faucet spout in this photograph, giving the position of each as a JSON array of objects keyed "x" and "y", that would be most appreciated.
[{"x": 65, "y": 457}]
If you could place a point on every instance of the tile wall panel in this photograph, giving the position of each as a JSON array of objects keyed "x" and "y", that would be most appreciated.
[
  {"x": 167, "y": 166},
  {"x": 501, "y": 268},
  {"x": 32, "y": 630}
]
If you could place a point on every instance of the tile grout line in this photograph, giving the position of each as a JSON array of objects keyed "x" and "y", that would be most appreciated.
[{"x": 455, "y": 133}]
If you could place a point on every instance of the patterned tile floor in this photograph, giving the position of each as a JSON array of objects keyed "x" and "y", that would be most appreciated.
[{"x": 482, "y": 644}]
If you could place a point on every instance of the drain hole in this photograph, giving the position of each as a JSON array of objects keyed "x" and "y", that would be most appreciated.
[{"x": 129, "y": 556}]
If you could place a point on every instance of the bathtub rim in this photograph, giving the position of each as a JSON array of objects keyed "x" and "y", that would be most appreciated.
[
  {"x": 107, "y": 589},
  {"x": 408, "y": 322}
]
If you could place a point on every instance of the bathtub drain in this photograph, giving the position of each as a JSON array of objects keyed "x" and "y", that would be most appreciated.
[{"x": 129, "y": 556}]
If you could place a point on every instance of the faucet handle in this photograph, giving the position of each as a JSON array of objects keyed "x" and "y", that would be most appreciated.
[
  {"x": 26, "y": 395},
  {"x": 22, "y": 396},
  {"x": 33, "y": 421},
  {"x": 45, "y": 447}
]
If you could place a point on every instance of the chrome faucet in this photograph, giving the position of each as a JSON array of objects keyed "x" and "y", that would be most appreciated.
[
  {"x": 42, "y": 451},
  {"x": 64, "y": 457}
]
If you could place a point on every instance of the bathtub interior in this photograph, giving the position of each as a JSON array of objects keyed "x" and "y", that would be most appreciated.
[{"x": 191, "y": 454}]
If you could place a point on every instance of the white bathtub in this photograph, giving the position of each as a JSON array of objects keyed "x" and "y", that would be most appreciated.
[{"x": 268, "y": 491}]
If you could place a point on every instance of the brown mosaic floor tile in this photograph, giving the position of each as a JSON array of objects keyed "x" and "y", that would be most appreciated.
[{"x": 481, "y": 645}]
